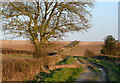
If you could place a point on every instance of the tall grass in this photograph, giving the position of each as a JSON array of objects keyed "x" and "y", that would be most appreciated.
[{"x": 19, "y": 70}]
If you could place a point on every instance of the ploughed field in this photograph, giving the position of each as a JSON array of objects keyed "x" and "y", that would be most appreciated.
[{"x": 24, "y": 47}]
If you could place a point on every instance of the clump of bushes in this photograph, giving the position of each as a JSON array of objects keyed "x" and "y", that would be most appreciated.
[
  {"x": 108, "y": 58},
  {"x": 24, "y": 69},
  {"x": 110, "y": 46},
  {"x": 73, "y": 44},
  {"x": 89, "y": 53},
  {"x": 20, "y": 70}
]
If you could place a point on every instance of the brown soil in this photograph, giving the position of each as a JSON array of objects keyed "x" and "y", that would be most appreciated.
[
  {"x": 80, "y": 50},
  {"x": 83, "y": 46},
  {"x": 26, "y": 45}
]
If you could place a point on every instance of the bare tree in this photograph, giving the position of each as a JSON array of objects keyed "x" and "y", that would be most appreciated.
[{"x": 44, "y": 21}]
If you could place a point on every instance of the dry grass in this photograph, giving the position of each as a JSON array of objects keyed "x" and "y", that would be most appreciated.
[
  {"x": 24, "y": 68},
  {"x": 20, "y": 69}
]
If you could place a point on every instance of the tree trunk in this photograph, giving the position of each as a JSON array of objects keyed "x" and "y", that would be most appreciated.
[
  {"x": 40, "y": 49},
  {"x": 41, "y": 53}
]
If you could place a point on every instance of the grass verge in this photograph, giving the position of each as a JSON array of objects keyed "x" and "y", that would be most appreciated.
[
  {"x": 63, "y": 74},
  {"x": 112, "y": 69},
  {"x": 67, "y": 60}
]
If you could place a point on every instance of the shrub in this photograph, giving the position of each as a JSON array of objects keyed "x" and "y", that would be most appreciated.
[
  {"x": 20, "y": 70},
  {"x": 72, "y": 44},
  {"x": 75, "y": 43},
  {"x": 89, "y": 53},
  {"x": 109, "y": 46}
]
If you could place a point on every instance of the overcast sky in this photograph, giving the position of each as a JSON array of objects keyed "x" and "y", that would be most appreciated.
[{"x": 104, "y": 22}]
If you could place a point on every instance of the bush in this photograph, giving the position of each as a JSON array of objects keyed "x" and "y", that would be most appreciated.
[
  {"x": 75, "y": 43},
  {"x": 109, "y": 47},
  {"x": 20, "y": 70},
  {"x": 89, "y": 53},
  {"x": 72, "y": 44},
  {"x": 108, "y": 58}
]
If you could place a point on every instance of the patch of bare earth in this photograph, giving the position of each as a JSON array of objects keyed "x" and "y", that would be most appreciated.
[
  {"x": 83, "y": 46},
  {"x": 26, "y": 45}
]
